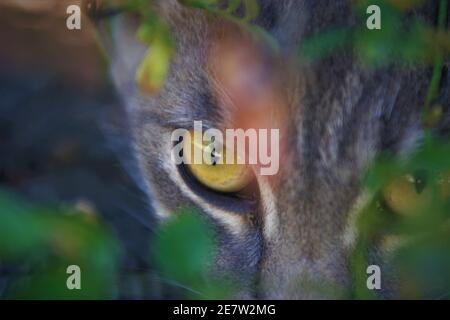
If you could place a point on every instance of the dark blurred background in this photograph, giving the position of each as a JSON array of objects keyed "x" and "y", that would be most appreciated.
[{"x": 55, "y": 103}]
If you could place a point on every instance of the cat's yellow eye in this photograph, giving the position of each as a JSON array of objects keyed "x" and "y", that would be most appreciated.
[
  {"x": 222, "y": 177},
  {"x": 407, "y": 195}
]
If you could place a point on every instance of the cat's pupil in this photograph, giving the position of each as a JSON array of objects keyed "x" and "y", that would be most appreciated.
[
  {"x": 213, "y": 151},
  {"x": 213, "y": 157}
]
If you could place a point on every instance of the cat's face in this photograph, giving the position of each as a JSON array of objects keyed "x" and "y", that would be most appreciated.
[{"x": 296, "y": 228}]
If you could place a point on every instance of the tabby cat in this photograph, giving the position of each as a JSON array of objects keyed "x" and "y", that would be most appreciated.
[{"x": 276, "y": 233}]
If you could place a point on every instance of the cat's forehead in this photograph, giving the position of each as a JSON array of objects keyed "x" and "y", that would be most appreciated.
[
  {"x": 285, "y": 19},
  {"x": 193, "y": 89},
  {"x": 288, "y": 17}
]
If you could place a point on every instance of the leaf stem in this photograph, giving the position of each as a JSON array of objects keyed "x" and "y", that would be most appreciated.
[{"x": 433, "y": 88}]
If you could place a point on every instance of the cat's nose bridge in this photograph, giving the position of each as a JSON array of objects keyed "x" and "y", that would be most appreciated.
[
  {"x": 299, "y": 267},
  {"x": 306, "y": 253}
]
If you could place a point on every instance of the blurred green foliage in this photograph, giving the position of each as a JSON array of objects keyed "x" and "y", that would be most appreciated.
[
  {"x": 400, "y": 40},
  {"x": 154, "y": 32},
  {"x": 49, "y": 239},
  {"x": 421, "y": 254},
  {"x": 184, "y": 251}
]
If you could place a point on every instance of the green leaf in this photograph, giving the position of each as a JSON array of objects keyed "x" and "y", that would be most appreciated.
[
  {"x": 185, "y": 252},
  {"x": 154, "y": 68},
  {"x": 49, "y": 239},
  {"x": 201, "y": 4},
  {"x": 233, "y": 5},
  {"x": 184, "y": 247},
  {"x": 251, "y": 10},
  {"x": 323, "y": 44}
]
